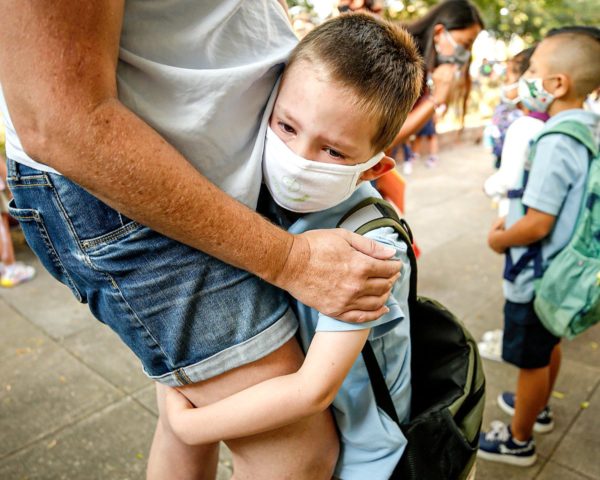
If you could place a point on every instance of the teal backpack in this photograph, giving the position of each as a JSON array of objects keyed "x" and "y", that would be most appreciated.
[
  {"x": 448, "y": 383},
  {"x": 567, "y": 294}
]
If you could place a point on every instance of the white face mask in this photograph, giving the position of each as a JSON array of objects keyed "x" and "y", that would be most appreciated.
[{"x": 302, "y": 185}]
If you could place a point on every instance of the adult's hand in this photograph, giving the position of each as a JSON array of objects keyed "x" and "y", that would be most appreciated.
[
  {"x": 341, "y": 274},
  {"x": 444, "y": 79}
]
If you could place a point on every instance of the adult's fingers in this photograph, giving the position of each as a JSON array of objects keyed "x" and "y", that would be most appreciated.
[
  {"x": 370, "y": 303},
  {"x": 379, "y": 286},
  {"x": 369, "y": 247},
  {"x": 360, "y": 316}
]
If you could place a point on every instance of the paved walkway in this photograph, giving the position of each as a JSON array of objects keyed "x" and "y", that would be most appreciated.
[{"x": 75, "y": 405}]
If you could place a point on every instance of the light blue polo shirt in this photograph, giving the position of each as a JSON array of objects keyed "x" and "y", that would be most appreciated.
[
  {"x": 371, "y": 442},
  {"x": 555, "y": 186}
]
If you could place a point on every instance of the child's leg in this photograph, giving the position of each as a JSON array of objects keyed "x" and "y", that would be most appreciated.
[
  {"x": 555, "y": 360},
  {"x": 418, "y": 146},
  {"x": 536, "y": 352},
  {"x": 7, "y": 252},
  {"x": 533, "y": 390},
  {"x": 434, "y": 145}
]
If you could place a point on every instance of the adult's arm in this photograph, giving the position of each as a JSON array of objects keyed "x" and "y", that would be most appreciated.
[
  {"x": 275, "y": 402},
  {"x": 57, "y": 69}
]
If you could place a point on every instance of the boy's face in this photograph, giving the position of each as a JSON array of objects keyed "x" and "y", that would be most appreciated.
[
  {"x": 318, "y": 119},
  {"x": 538, "y": 64},
  {"x": 543, "y": 64}
]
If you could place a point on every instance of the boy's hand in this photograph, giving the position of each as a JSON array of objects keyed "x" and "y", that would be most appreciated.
[
  {"x": 340, "y": 274},
  {"x": 495, "y": 236},
  {"x": 175, "y": 405}
]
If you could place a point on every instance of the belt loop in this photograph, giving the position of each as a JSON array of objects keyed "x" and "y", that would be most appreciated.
[{"x": 11, "y": 169}]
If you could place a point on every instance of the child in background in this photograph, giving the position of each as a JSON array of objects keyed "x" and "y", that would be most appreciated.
[
  {"x": 563, "y": 71},
  {"x": 507, "y": 112},
  {"x": 12, "y": 273},
  {"x": 426, "y": 143},
  {"x": 514, "y": 146},
  {"x": 321, "y": 152}
]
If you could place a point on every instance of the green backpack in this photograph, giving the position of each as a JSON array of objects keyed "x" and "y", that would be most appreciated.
[
  {"x": 567, "y": 296},
  {"x": 448, "y": 384}
]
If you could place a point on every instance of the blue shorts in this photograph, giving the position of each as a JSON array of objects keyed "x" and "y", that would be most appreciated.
[
  {"x": 428, "y": 129},
  {"x": 526, "y": 342},
  {"x": 186, "y": 315}
]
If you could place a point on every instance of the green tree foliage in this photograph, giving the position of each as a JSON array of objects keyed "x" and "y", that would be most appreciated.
[{"x": 530, "y": 19}]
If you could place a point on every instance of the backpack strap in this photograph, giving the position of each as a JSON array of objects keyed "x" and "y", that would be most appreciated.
[
  {"x": 571, "y": 128},
  {"x": 574, "y": 129},
  {"x": 371, "y": 214}
]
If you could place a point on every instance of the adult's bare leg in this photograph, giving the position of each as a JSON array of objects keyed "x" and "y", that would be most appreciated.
[
  {"x": 304, "y": 450},
  {"x": 170, "y": 458}
]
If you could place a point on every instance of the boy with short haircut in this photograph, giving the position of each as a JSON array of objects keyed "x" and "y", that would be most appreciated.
[
  {"x": 563, "y": 70},
  {"x": 344, "y": 95}
]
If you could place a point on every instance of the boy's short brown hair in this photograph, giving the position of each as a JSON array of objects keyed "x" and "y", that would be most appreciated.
[
  {"x": 376, "y": 60},
  {"x": 577, "y": 54}
]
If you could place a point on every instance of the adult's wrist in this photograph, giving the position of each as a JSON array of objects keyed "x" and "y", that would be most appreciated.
[{"x": 286, "y": 253}]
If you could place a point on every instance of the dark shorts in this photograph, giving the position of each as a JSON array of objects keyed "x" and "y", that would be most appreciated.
[
  {"x": 428, "y": 129},
  {"x": 526, "y": 342},
  {"x": 186, "y": 315}
]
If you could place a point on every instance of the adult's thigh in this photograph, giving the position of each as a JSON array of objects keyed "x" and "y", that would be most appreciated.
[
  {"x": 307, "y": 449},
  {"x": 171, "y": 458}
]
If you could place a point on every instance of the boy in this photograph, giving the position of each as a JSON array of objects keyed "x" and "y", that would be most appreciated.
[
  {"x": 563, "y": 71},
  {"x": 344, "y": 95}
]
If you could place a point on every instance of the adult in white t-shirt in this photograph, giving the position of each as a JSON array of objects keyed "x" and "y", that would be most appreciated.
[{"x": 156, "y": 109}]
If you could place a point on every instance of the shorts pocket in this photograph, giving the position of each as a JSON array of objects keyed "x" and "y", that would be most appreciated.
[
  {"x": 93, "y": 222},
  {"x": 37, "y": 237}
]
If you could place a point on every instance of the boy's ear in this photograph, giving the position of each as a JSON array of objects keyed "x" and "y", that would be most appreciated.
[
  {"x": 438, "y": 28},
  {"x": 385, "y": 165},
  {"x": 563, "y": 85}
]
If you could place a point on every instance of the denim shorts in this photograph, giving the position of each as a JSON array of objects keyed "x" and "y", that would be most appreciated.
[
  {"x": 526, "y": 343},
  {"x": 186, "y": 315}
]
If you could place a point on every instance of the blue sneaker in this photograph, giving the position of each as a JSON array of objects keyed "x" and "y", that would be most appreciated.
[
  {"x": 544, "y": 423},
  {"x": 498, "y": 445}
]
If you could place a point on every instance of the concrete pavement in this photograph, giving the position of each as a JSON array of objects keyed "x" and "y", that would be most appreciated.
[{"x": 74, "y": 403}]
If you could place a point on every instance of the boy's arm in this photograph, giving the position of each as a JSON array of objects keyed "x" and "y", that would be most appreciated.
[
  {"x": 534, "y": 226},
  {"x": 275, "y": 402}
]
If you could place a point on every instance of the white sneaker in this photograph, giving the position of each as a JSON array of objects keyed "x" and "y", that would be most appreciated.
[
  {"x": 431, "y": 161},
  {"x": 407, "y": 168},
  {"x": 492, "y": 335},
  {"x": 13, "y": 275},
  {"x": 490, "y": 346}
]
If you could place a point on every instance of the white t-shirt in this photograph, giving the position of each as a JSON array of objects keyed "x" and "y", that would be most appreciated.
[
  {"x": 200, "y": 73},
  {"x": 514, "y": 154}
]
